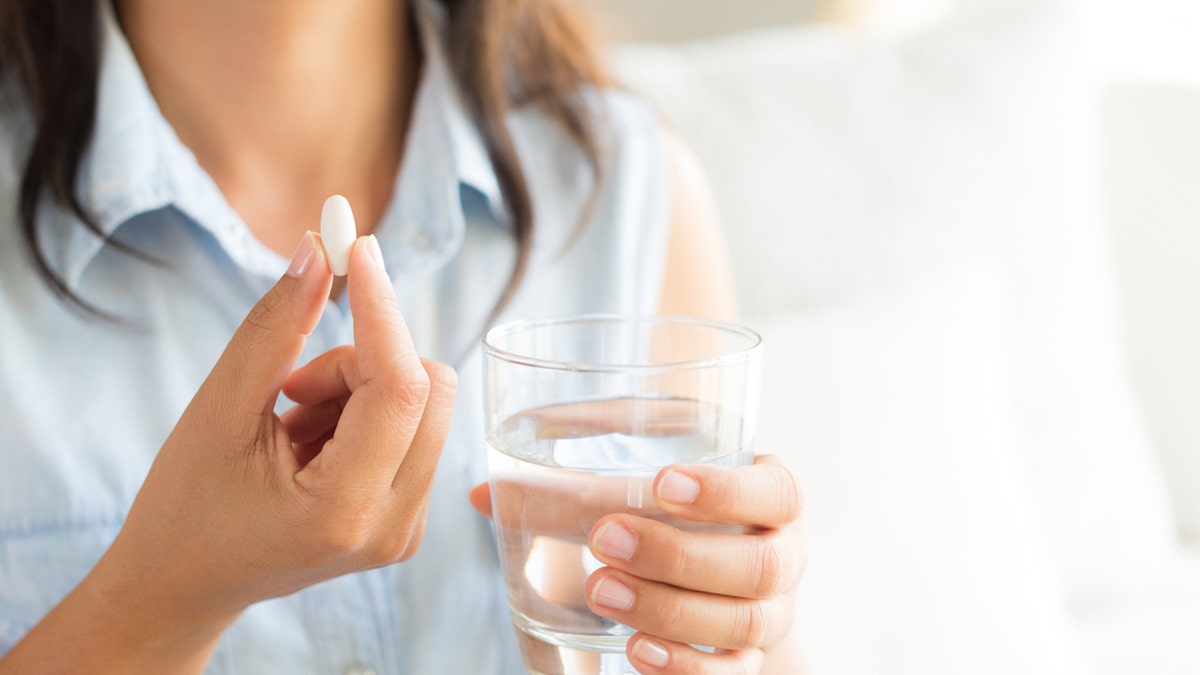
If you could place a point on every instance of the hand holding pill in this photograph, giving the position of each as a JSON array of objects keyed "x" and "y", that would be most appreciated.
[{"x": 340, "y": 483}]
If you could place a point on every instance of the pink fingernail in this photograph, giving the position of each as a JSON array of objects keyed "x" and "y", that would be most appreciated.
[
  {"x": 612, "y": 593},
  {"x": 678, "y": 488},
  {"x": 650, "y": 653},
  {"x": 303, "y": 257},
  {"x": 615, "y": 541}
]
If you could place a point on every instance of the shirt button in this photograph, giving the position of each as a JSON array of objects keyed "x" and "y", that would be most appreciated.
[{"x": 359, "y": 670}]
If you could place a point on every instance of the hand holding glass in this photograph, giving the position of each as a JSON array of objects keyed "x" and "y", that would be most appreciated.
[{"x": 582, "y": 413}]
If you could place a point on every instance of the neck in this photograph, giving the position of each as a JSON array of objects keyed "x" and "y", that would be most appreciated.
[{"x": 283, "y": 102}]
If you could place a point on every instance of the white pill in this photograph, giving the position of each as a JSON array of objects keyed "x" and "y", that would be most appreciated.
[{"x": 338, "y": 233}]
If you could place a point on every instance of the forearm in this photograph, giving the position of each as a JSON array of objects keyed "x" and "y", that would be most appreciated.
[{"x": 108, "y": 625}]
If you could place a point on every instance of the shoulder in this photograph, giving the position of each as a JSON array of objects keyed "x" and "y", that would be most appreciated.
[
  {"x": 600, "y": 228},
  {"x": 626, "y": 121},
  {"x": 627, "y": 130},
  {"x": 620, "y": 119},
  {"x": 699, "y": 279},
  {"x": 652, "y": 200}
]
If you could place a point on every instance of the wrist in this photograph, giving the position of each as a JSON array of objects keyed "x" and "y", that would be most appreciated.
[
  {"x": 108, "y": 625},
  {"x": 149, "y": 618}
]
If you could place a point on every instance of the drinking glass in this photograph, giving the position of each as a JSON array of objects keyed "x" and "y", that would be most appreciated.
[{"x": 582, "y": 413}]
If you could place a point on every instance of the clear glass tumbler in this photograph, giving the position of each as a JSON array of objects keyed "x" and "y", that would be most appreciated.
[{"x": 582, "y": 413}]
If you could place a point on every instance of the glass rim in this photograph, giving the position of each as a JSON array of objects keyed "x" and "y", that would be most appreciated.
[{"x": 731, "y": 357}]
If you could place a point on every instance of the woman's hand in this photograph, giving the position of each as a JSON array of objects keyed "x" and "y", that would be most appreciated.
[
  {"x": 729, "y": 591},
  {"x": 733, "y": 592},
  {"x": 241, "y": 505}
]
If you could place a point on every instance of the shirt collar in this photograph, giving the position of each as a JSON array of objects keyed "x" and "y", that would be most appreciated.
[
  {"x": 136, "y": 164},
  {"x": 444, "y": 150}
]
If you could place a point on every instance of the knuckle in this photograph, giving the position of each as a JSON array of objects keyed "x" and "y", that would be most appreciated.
[
  {"x": 344, "y": 358},
  {"x": 791, "y": 497},
  {"x": 675, "y": 559},
  {"x": 751, "y": 624},
  {"x": 405, "y": 537},
  {"x": 412, "y": 386},
  {"x": 382, "y": 553},
  {"x": 670, "y": 611},
  {"x": 441, "y": 375},
  {"x": 413, "y": 542},
  {"x": 343, "y": 527},
  {"x": 771, "y": 568},
  {"x": 398, "y": 546},
  {"x": 340, "y": 539}
]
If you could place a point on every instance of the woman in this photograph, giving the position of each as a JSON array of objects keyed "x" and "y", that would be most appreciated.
[{"x": 160, "y": 161}]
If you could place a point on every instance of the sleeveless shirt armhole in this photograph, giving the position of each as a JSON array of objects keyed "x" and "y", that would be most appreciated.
[
  {"x": 660, "y": 209},
  {"x": 639, "y": 132},
  {"x": 619, "y": 255}
]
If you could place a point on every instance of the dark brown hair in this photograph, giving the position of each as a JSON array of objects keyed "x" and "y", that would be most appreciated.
[{"x": 505, "y": 54}]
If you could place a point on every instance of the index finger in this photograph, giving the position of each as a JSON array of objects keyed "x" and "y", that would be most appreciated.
[
  {"x": 764, "y": 494},
  {"x": 391, "y": 388}
]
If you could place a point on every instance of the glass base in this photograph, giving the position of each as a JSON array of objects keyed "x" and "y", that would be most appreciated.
[{"x": 551, "y": 653}]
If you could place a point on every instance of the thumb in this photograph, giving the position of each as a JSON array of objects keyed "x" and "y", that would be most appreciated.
[
  {"x": 265, "y": 347},
  {"x": 480, "y": 497}
]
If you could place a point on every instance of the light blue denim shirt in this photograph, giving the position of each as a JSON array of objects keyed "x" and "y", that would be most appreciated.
[{"x": 86, "y": 404}]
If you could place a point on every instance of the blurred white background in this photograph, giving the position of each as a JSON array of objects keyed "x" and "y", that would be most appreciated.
[
  {"x": 969, "y": 231},
  {"x": 674, "y": 20},
  {"x": 1142, "y": 39}
]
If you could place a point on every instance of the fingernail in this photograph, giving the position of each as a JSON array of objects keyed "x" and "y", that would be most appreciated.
[
  {"x": 612, "y": 593},
  {"x": 615, "y": 541},
  {"x": 650, "y": 653},
  {"x": 303, "y": 258},
  {"x": 373, "y": 251},
  {"x": 678, "y": 488}
]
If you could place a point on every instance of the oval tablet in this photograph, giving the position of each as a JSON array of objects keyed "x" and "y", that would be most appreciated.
[{"x": 338, "y": 233}]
